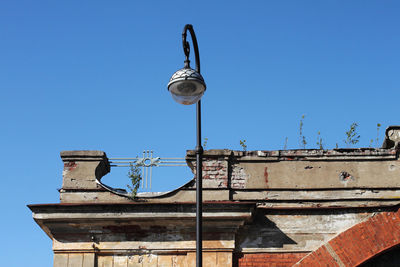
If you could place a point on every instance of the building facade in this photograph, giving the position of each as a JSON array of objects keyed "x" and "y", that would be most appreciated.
[{"x": 304, "y": 207}]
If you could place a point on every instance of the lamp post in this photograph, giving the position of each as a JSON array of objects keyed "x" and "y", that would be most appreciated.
[{"x": 187, "y": 86}]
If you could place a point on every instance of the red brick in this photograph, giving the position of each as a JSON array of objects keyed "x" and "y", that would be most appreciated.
[
  {"x": 361, "y": 242},
  {"x": 269, "y": 259}
]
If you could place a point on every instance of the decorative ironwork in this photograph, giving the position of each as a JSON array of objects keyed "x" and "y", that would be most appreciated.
[
  {"x": 186, "y": 74},
  {"x": 147, "y": 162}
]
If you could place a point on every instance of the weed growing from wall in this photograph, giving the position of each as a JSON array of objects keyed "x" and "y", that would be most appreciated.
[
  {"x": 378, "y": 127},
  {"x": 135, "y": 176},
  {"x": 243, "y": 144},
  {"x": 205, "y": 142},
  {"x": 371, "y": 142},
  {"x": 302, "y": 138},
  {"x": 319, "y": 141},
  {"x": 352, "y": 137}
]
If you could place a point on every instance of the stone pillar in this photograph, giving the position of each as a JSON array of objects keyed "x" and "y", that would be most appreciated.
[
  {"x": 81, "y": 170},
  {"x": 215, "y": 167}
]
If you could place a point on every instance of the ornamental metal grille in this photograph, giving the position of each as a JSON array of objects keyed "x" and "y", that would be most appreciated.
[{"x": 147, "y": 162}]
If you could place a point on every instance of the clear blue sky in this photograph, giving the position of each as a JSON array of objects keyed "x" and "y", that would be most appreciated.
[{"x": 92, "y": 75}]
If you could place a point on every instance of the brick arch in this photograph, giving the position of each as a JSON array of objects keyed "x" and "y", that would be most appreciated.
[{"x": 359, "y": 243}]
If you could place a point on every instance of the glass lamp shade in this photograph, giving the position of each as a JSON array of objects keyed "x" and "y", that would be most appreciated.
[{"x": 186, "y": 86}]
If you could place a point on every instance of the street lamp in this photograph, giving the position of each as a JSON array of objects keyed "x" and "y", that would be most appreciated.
[{"x": 187, "y": 86}]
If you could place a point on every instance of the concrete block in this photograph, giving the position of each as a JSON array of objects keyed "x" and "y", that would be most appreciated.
[
  {"x": 60, "y": 260},
  {"x": 82, "y": 168}
]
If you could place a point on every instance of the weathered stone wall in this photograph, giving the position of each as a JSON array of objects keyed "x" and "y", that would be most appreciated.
[
  {"x": 262, "y": 208},
  {"x": 295, "y": 230}
]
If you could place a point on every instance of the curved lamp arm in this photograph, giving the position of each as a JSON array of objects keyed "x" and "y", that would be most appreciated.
[
  {"x": 186, "y": 46},
  {"x": 187, "y": 85}
]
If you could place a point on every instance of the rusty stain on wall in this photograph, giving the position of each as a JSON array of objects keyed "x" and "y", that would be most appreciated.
[{"x": 266, "y": 176}]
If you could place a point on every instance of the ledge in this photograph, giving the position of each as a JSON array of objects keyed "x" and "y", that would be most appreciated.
[
  {"x": 301, "y": 154},
  {"x": 83, "y": 155},
  {"x": 79, "y": 222}
]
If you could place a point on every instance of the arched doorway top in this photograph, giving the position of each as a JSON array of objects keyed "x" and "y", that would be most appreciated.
[{"x": 359, "y": 243}]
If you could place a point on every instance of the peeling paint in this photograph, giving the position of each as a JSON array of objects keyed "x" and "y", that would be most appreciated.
[
  {"x": 239, "y": 177},
  {"x": 70, "y": 166}
]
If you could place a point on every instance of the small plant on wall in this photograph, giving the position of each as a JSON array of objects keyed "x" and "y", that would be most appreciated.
[
  {"x": 320, "y": 143},
  {"x": 135, "y": 176},
  {"x": 302, "y": 138},
  {"x": 243, "y": 144},
  {"x": 352, "y": 137},
  {"x": 205, "y": 142},
  {"x": 378, "y": 127}
]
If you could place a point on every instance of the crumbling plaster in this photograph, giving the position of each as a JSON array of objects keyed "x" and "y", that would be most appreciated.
[{"x": 291, "y": 201}]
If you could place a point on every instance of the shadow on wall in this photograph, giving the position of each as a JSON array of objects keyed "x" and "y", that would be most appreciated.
[
  {"x": 263, "y": 233},
  {"x": 388, "y": 258}
]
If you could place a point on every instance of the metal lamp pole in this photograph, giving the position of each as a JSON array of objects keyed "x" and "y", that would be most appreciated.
[
  {"x": 199, "y": 186},
  {"x": 187, "y": 86},
  {"x": 199, "y": 161}
]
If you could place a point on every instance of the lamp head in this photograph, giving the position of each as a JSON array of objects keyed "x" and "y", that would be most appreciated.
[{"x": 186, "y": 86}]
